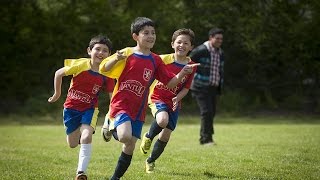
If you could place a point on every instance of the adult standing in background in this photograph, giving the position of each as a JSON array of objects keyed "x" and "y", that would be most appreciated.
[{"x": 208, "y": 81}]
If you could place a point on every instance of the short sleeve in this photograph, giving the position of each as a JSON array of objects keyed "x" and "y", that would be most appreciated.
[
  {"x": 117, "y": 69},
  {"x": 76, "y": 66}
]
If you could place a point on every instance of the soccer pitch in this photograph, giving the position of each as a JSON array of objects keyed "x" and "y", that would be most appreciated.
[{"x": 246, "y": 149}]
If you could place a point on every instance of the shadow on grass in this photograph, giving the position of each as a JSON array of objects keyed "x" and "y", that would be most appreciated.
[
  {"x": 255, "y": 119},
  {"x": 211, "y": 175}
]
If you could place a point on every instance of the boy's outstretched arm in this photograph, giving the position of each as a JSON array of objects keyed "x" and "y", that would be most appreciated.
[
  {"x": 187, "y": 69},
  {"x": 57, "y": 85},
  {"x": 109, "y": 64}
]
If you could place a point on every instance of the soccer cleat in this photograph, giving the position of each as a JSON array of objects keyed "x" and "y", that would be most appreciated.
[
  {"x": 106, "y": 133},
  {"x": 145, "y": 144},
  {"x": 81, "y": 176},
  {"x": 150, "y": 167}
]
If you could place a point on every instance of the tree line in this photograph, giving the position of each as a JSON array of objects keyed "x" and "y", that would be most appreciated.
[{"x": 271, "y": 46}]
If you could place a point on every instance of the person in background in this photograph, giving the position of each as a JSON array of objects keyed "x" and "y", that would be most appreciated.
[{"x": 208, "y": 81}]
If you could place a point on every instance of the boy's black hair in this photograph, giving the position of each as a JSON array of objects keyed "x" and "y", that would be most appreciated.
[
  {"x": 215, "y": 31},
  {"x": 100, "y": 39},
  {"x": 184, "y": 31},
  {"x": 139, "y": 23}
]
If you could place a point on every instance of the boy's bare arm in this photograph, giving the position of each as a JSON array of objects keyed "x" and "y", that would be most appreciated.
[
  {"x": 187, "y": 69},
  {"x": 108, "y": 66},
  {"x": 179, "y": 97},
  {"x": 57, "y": 85}
]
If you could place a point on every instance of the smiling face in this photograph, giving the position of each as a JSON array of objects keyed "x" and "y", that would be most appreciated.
[
  {"x": 145, "y": 39},
  {"x": 98, "y": 53},
  {"x": 216, "y": 40},
  {"x": 182, "y": 45}
]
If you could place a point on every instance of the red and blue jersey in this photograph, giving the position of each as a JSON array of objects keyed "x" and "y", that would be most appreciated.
[
  {"x": 134, "y": 76},
  {"x": 85, "y": 85},
  {"x": 159, "y": 92}
]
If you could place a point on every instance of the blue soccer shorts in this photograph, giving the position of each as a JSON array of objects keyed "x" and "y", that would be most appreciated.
[
  {"x": 135, "y": 125},
  {"x": 72, "y": 119},
  {"x": 173, "y": 115}
]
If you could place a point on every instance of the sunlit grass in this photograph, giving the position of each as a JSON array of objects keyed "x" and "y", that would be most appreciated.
[{"x": 245, "y": 149}]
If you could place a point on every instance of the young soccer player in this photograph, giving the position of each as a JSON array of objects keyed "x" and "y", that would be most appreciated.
[
  {"x": 135, "y": 68},
  {"x": 165, "y": 102},
  {"x": 81, "y": 106}
]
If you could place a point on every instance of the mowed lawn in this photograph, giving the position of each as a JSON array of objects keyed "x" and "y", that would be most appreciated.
[{"x": 260, "y": 148}]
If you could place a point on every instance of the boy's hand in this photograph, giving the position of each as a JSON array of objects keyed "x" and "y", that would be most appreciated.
[
  {"x": 187, "y": 69},
  {"x": 53, "y": 98},
  {"x": 120, "y": 56},
  {"x": 175, "y": 103}
]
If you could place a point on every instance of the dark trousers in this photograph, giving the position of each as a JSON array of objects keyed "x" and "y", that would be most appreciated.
[{"x": 207, "y": 100}]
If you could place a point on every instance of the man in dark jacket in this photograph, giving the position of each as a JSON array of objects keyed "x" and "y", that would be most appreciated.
[{"x": 208, "y": 81}]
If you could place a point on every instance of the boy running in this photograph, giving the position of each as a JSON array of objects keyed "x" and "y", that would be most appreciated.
[
  {"x": 80, "y": 112},
  {"x": 134, "y": 68},
  {"x": 165, "y": 102}
]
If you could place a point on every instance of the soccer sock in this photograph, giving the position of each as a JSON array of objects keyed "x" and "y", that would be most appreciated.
[
  {"x": 84, "y": 157},
  {"x": 154, "y": 130},
  {"x": 158, "y": 148},
  {"x": 122, "y": 166}
]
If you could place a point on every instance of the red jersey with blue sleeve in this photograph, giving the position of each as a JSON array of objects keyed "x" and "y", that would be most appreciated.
[
  {"x": 159, "y": 92},
  {"x": 134, "y": 76},
  {"x": 85, "y": 85}
]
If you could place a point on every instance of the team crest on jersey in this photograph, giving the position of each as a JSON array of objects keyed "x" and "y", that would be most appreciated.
[
  {"x": 95, "y": 89},
  {"x": 147, "y": 73}
]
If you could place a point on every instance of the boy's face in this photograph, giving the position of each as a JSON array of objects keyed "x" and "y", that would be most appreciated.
[
  {"x": 216, "y": 40},
  {"x": 146, "y": 37},
  {"x": 182, "y": 45},
  {"x": 98, "y": 52}
]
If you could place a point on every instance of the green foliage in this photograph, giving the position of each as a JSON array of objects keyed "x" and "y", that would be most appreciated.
[{"x": 271, "y": 47}]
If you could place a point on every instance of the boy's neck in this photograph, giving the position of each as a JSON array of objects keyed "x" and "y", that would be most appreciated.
[
  {"x": 94, "y": 66},
  {"x": 140, "y": 50},
  {"x": 181, "y": 59}
]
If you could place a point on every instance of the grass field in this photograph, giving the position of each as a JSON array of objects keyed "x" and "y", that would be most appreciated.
[{"x": 259, "y": 148}]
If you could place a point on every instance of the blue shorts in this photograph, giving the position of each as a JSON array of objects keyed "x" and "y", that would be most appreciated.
[
  {"x": 72, "y": 119},
  {"x": 135, "y": 125},
  {"x": 173, "y": 115}
]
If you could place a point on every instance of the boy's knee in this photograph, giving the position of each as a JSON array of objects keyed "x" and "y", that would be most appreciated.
[
  {"x": 163, "y": 122},
  {"x": 73, "y": 145},
  {"x": 86, "y": 138},
  {"x": 124, "y": 138}
]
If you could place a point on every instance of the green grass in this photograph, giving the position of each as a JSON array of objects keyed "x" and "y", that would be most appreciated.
[{"x": 247, "y": 148}]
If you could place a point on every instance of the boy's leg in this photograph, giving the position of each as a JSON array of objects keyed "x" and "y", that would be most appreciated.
[
  {"x": 85, "y": 148},
  {"x": 74, "y": 138},
  {"x": 71, "y": 121},
  {"x": 124, "y": 159},
  {"x": 162, "y": 118},
  {"x": 158, "y": 149},
  {"x": 128, "y": 133},
  {"x": 88, "y": 125}
]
